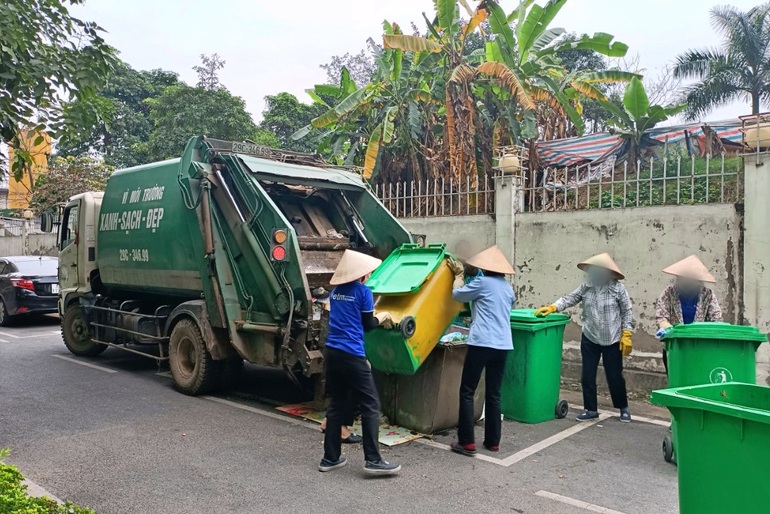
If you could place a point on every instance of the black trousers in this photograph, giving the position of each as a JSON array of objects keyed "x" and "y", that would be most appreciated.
[
  {"x": 612, "y": 359},
  {"x": 665, "y": 361},
  {"x": 477, "y": 360},
  {"x": 348, "y": 377}
]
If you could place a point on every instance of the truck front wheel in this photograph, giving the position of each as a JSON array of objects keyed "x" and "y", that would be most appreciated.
[
  {"x": 77, "y": 335},
  {"x": 192, "y": 368}
]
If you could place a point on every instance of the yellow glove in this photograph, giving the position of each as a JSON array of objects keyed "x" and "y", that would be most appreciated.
[
  {"x": 385, "y": 319},
  {"x": 626, "y": 346},
  {"x": 545, "y": 311},
  {"x": 664, "y": 325},
  {"x": 456, "y": 267}
]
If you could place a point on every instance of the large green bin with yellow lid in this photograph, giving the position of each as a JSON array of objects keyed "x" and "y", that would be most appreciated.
[
  {"x": 709, "y": 353},
  {"x": 531, "y": 385},
  {"x": 414, "y": 285}
]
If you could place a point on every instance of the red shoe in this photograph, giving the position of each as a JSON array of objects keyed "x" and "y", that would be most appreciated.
[
  {"x": 492, "y": 447},
  {"x": 468, "y": 449}
]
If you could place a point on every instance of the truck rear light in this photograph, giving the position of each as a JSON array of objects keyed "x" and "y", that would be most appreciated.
[
  {"x": 279, "y": 253},
  {"x": 279, "y": 236},
  {"x": 23, "y": 283}
]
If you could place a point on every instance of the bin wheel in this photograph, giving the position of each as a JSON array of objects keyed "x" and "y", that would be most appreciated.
[
  {"x": 562, "y": 409},
  {"x": 408, "y": 327},
  {"x": 668, "y": 448}
]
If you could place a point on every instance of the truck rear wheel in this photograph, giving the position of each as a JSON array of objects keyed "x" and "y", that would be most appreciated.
[
  {"x": 192, "y": 368},
  {"x": 77, "y": 334}
]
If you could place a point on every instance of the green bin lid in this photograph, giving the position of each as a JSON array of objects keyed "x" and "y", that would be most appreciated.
[
  {"x": 406, "y": 269},
  {"x": 712, "y": 330},
  {"x": 528, "y": 316}
]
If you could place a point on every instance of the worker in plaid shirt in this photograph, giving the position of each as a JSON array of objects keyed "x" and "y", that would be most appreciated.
[{"x": 607, "y": 323}]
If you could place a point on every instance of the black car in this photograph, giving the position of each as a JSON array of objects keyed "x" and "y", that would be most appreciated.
[{"x": 28, "y": 285}]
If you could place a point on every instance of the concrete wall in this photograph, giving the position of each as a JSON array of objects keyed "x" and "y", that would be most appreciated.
[
  {"x": 756, "y": 256},
  {"x": 546, "y": 247},
  {"x": 478, "y": 229},
  {"x": 31, "y": 244},
  {"x": 642, "y": 241}
]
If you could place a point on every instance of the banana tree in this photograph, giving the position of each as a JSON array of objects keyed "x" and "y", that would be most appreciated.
[
  {"x": 528, "y": 50},
  {"x": 637, "y": 116},
  {"x": 386, "y": 111}
]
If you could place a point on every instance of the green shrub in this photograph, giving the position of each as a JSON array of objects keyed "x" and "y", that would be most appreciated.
[{"x": 15, "y": 500}]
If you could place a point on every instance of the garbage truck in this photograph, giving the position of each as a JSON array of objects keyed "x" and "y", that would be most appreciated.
[{"x": 214, "y": 258}]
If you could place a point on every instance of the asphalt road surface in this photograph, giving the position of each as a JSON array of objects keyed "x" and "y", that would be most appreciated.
[{"x": 111, "y": 433}]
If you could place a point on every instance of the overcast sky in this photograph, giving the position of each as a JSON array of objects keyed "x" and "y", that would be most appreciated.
[{"x": 273, "y": 46}]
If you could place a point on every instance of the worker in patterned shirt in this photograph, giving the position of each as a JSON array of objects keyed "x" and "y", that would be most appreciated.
[
  {"x": 688, "y": 299},
  {"x": 607, "y": 324}
]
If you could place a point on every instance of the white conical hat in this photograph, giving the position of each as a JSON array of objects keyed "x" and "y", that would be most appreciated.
[
  {"x": 603, "y": 260},
  {"x": 492, "y": 259},
  {"x": 692, "y": 268},
  {"x": 353, "y": 266}
]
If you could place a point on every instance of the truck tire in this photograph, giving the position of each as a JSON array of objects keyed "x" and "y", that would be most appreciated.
[
  {"x": 77, "y": 335},
  {"x": 192, "y": 368}
]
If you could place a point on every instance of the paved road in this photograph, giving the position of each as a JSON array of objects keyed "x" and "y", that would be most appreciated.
[{"x": 118, "y": 438}]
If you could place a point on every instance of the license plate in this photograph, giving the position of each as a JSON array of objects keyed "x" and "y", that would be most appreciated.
[{"x": 54, "y": 288}]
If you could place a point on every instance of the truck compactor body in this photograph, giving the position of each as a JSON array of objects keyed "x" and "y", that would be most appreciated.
[{"x": 214, "y": 258}]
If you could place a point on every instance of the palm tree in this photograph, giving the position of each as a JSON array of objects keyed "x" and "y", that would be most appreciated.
[{"x": 740, "y": 69}]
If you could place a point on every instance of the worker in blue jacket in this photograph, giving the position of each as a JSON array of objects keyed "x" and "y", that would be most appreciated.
[
  {"x": 489, "y": 343},
  {"x": 348, "y": 374}
]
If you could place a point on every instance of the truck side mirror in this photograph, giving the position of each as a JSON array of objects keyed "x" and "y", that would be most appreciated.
[{"x": 46, "y": 222}]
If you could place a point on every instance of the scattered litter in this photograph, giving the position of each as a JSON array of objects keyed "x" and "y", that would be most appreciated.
[
  {"x": 453, "y": 337},
  {"x": 390, "y": 435}
]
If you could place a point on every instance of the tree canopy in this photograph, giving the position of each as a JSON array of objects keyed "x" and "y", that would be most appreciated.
[
  {"x": 66, "y": 177},
  {"x": 47, "y": 59},
  {"x": 739, "y": 70}
]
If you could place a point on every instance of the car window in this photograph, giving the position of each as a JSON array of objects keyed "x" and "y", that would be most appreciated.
[
  {"x": 3, "y": 265},
  {"x": 41, "y": 267},
  {"x": 69, "y": 227}
]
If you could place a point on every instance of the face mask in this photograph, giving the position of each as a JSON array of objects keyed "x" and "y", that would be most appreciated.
[
  {"x": 688, "y": 288},
  {"x": 598, "y": 276}
]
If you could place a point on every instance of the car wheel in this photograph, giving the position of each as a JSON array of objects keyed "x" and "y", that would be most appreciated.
[
  {"x": 77, "y": 334},
  {"x": 5, "y": 318}
]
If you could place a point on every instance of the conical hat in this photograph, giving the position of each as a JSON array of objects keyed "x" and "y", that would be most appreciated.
[
  {"x": 492, "y": 259},
  {"x": 353, "y": 266},
  {"x": 692, "y": 268},
  {"x": 603, "y": 260}
]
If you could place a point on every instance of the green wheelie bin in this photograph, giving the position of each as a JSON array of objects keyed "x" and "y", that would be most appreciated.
[
  {"x": 709, "y": 353},
  {"x": 530, "y": 392},
  {"x": 723, "y": 446}
]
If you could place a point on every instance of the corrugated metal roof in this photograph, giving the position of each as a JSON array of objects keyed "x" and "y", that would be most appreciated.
[{"x": 287, "y": 173}]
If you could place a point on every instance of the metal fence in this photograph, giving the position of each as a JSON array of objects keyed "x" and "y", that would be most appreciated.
[
  {"x": 439, "y": 197},
  {"x": 671, "y": 181}
]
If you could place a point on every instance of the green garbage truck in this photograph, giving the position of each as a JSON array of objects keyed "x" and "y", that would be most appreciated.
[{"x": 215, "y": 258}]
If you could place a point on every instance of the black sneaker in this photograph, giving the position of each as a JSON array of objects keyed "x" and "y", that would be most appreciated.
[
  {"x": 352, "y": 439},
  {"x": 625, "y": 416},
  {"x": 587, "y": 415},
  {"x": 381, "y": 468},
  {"x": 328, "y": 465}
]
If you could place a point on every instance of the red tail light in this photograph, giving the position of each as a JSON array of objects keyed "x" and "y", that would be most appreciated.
[
  {"x": 279, "y": 253},
  {"x": 23, "y": 283}
]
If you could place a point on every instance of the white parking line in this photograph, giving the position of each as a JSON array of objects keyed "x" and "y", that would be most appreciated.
[
  {"x": 639, "y": 419},
  {"x": 545, "y": 443},
  {"x": 265, "y": 413},
  {"x": 526, "y": 452},
  {"x": 576, "y": 503},
  {"x": 28, "y": 336},
  {"x": 83, "y": 363}
]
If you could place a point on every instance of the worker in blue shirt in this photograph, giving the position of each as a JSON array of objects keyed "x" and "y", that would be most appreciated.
[
  {"x": 348, "y": 374},
  {"x": 489, "y": 343}
]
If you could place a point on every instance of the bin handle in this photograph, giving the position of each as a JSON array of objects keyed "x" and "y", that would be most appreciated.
[{"x": 437, "y": 245}]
